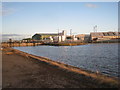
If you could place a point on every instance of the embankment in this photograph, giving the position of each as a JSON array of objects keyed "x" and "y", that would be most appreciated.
[
  {"x": 65, "y": 44},
  {"x": 17, "y": 44},
  {"x": 59, "y": 74}
]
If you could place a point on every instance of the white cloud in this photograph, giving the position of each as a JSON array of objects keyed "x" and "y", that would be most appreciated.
[{"x": 91, "y": 5}]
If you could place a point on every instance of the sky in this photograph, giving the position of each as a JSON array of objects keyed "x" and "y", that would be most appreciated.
[{"x": 48, "y": 17}]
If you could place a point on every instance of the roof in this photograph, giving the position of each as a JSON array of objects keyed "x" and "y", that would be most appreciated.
[
  {"x": 105, "y": 34},
  {"x": 47, "y": 33}
]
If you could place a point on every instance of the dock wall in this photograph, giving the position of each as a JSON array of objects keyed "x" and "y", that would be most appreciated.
[{"x": 19, "y": 44}]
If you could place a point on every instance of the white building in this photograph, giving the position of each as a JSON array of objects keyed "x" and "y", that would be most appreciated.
[{"x": 61, "y": 36}]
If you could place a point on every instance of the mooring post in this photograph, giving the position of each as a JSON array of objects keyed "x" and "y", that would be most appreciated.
[{"x": 10, "y": 42}]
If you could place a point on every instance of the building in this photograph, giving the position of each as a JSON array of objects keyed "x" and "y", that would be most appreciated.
[
  {"x": 71, "y": 38},
  {"x": 50, "y": 36},
  {"x": 102, "y": 36},
  {"x": 43, "y": 36},
  {"x": 83, "y": 37},
  {"x": 80, "y": 37}
]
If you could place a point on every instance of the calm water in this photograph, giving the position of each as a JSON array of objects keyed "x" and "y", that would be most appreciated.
[{"x": 94, "y": 57}]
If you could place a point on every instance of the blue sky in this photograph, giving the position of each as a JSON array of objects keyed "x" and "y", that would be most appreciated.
[{"x": 35, "y": 17}]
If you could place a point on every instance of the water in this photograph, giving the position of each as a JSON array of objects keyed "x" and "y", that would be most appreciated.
[{"x": 94, "y": 57}]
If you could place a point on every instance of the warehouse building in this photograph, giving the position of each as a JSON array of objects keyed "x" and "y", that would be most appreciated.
[
  {"x": 50, "y": 36},
  {"x": 83, "y": 37},
  {"x": 102, "y": 36}
]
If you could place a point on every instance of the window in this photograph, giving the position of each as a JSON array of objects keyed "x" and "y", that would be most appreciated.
[{"x": 68, "y": 37}]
